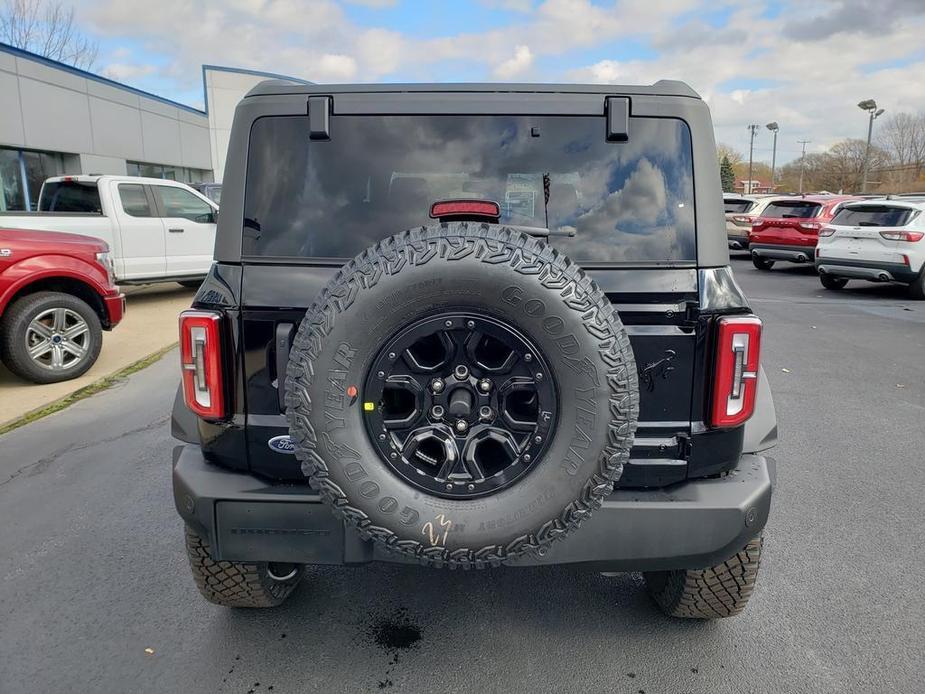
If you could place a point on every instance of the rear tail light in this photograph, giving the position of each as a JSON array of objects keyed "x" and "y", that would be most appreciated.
[
  {"x": 201, "y": 361},
  {"x": 757, "y": 221},
  {"x": 902, "y": 235},
  {"x": 810, "y": 226},
  {"x": 742, "y": 220},
  {"x": 735, "y": 378},
  {"x": 826, "y": 231}
]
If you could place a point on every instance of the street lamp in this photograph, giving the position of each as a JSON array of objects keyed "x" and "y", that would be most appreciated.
[
  {"x": 773, "y": 127},
  {"x": 870, "y": 106}
]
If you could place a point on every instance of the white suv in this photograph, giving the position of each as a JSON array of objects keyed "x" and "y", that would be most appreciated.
[{"x": 876, "y": 240}]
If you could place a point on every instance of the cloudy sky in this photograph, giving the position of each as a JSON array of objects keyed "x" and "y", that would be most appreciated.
[{"x": 804, "y": 64}]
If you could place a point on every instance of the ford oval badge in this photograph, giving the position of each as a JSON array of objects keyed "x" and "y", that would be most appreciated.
[{"x": 281, "y": 444}]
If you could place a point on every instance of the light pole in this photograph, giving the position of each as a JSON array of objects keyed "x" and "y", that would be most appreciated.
[
  {"x": 751, "y": 149},
  {"x": 773, "y": 127},
  {"x": 802, "y": 161},
  {"x": 870, "y": 106}
]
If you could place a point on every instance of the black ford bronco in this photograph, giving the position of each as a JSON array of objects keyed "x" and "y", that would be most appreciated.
[{"x": 473, "y": 326}]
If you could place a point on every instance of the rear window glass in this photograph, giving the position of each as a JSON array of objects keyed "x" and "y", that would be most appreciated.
[
  {"x": 796, "y": 209},
  {"x": 737, "y": 206},
  {"x": 70, "y": 196},
  {"x": 378, "y": 175},
  {"x": 874, "y": 216}
]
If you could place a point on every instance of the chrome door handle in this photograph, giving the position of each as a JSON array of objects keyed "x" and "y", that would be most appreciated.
[{"x": 176, "y": 230}]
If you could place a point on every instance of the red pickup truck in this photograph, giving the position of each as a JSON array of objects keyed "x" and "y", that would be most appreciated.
[
  {"x": 788, "y": 228},
  {"x": 57, "y": 295}
]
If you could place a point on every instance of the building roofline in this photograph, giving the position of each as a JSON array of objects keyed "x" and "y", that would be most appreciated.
[
  {"x": 86, "y": 74},
  {"x": 20, "y": 53}
]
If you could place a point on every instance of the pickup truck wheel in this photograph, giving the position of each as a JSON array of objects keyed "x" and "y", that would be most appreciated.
[
  {"x": 48, "y": 337},
  {"x": 830, "y": 282},
  {"x": 720, "y": 591},
  {"x": 762, "y": 263},
  {"x": 462, "y": 394},
  {"x": 239, "y": 584}
]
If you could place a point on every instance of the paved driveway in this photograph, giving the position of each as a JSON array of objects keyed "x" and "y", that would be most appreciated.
[{"x": 92, "y": 570}]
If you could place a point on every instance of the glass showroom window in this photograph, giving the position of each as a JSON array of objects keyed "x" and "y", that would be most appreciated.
[
  {"x": 22, "y": 174},
  {"x": 170, "y": 173}
]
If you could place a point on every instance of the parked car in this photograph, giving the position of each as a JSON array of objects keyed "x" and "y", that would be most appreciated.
[
  {"x": 57, "y": 295},
  {"x": 213, "y": 191},
  {"x": 788, "y": 228},
  {"x": 461, "y": 393},
  {"x": 876, "y": 240},
  {"x": 158, "y": 230},
  {"x": 741, "y": 211}
]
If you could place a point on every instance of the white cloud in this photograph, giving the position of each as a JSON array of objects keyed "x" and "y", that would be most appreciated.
[
  {"x": 517, "y": 65},
  {"x": 805, "y": 69}
]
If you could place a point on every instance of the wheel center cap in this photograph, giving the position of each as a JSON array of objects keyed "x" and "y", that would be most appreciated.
[
  {"x": 460, "y": 403},
  {"x": 56, "y": 339}
]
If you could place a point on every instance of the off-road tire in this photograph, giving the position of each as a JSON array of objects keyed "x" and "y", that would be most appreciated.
[
  {"x": 393, "y": 515},
  {"x": 917, "y": 288},
  {"x": 20, "y": 314},
  {"x": 834, "y": 283},
  {"x": 233, "y": 583},
  {"x": 762, "y": 263},
  {"x": 720, "y": 591}
]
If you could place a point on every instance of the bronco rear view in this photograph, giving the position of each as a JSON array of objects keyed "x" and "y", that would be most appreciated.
[{"x": 473, "y": 326}]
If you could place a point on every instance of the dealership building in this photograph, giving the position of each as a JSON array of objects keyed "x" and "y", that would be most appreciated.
[{"x": 56, "y": 119}]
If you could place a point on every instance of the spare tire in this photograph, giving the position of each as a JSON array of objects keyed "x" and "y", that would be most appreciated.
[{"x": 463, "y": 394}]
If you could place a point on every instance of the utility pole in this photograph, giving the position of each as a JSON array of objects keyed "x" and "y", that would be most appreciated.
[
  {"x": 751, "y": 149},
  {"x": 802, "y": 160}
]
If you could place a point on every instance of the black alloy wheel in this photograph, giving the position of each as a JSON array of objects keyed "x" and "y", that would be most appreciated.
[{"x": 460, "y": 405}]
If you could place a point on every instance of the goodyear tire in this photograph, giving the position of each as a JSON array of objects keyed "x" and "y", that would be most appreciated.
[{"x": 472, "y": 275}]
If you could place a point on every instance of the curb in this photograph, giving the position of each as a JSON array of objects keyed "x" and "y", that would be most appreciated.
[{"x": 86, "y": 391}]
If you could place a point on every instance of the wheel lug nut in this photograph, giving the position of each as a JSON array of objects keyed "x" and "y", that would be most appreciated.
[
  {"x": 461, "y": 425},
  {"x": 527, "y": 458},
  {"x": 538, "y": 439},
  {"x": 470, "y": 324},
  {"x": 485, "y": 412},
  {"x": 471, "y": 487},
  {"x": 437, "y": 385},
  {"x": 539, "y": 376},
  {"x": 461, "y": 372},
  {"x": 382, "y": 437},
  {"x": 381, "y": 374},
  {"x": 484, "y": 385},
  {"x": 391, "y": 355},
  {"x": 437, "y": 411},
  {"x": 528, "y": 357}
]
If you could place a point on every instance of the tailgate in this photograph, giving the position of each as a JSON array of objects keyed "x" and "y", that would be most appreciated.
[{"x": 658, "y": 308}]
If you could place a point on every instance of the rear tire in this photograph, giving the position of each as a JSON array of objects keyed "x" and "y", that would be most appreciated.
[
  {"x": 190, "y": 284},
  {"x": 830, "y": 282},
  {"x": 35, "y": 317},
  {"x": 917, "y": 288},
  {"x": 761, "y": 263},
  {"x": 720, "y": 591},
  {"x": 239, "y": 584}
]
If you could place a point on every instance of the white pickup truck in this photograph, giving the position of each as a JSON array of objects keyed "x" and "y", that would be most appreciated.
[{"x": 157, "y": 230}]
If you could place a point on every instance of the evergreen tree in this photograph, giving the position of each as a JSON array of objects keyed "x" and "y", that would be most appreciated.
[{"x": 727, "y": 175}]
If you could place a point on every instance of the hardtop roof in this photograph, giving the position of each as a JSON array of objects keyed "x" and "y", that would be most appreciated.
[{"x": 660, "y": 88}]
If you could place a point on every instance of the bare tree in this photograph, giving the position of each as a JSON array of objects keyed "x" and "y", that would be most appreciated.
[
  {"x": 731, "y": 153},
  {"x": 46, "y": 27},
  {"x": 903, "y": 137}
]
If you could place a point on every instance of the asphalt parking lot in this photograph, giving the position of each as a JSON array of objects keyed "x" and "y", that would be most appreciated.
[{"x": 93, "y": 570}]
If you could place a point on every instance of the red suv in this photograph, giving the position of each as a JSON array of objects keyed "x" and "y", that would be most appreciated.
[
  {"x": 56, "y": 297},
  {"x": 789, "y": 228}
]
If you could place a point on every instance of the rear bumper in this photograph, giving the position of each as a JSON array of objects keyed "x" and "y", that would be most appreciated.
[
  {"x": 691, "y": 525},
  {"x": 865, "y": 270},
  {"x": 795, "y": 254},
  {"x": 115, "y": 308},
  {"x": 738, "y": 242}
]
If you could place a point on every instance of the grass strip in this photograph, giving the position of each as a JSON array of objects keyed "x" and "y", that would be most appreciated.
[{"x": 85, "y": 392}]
